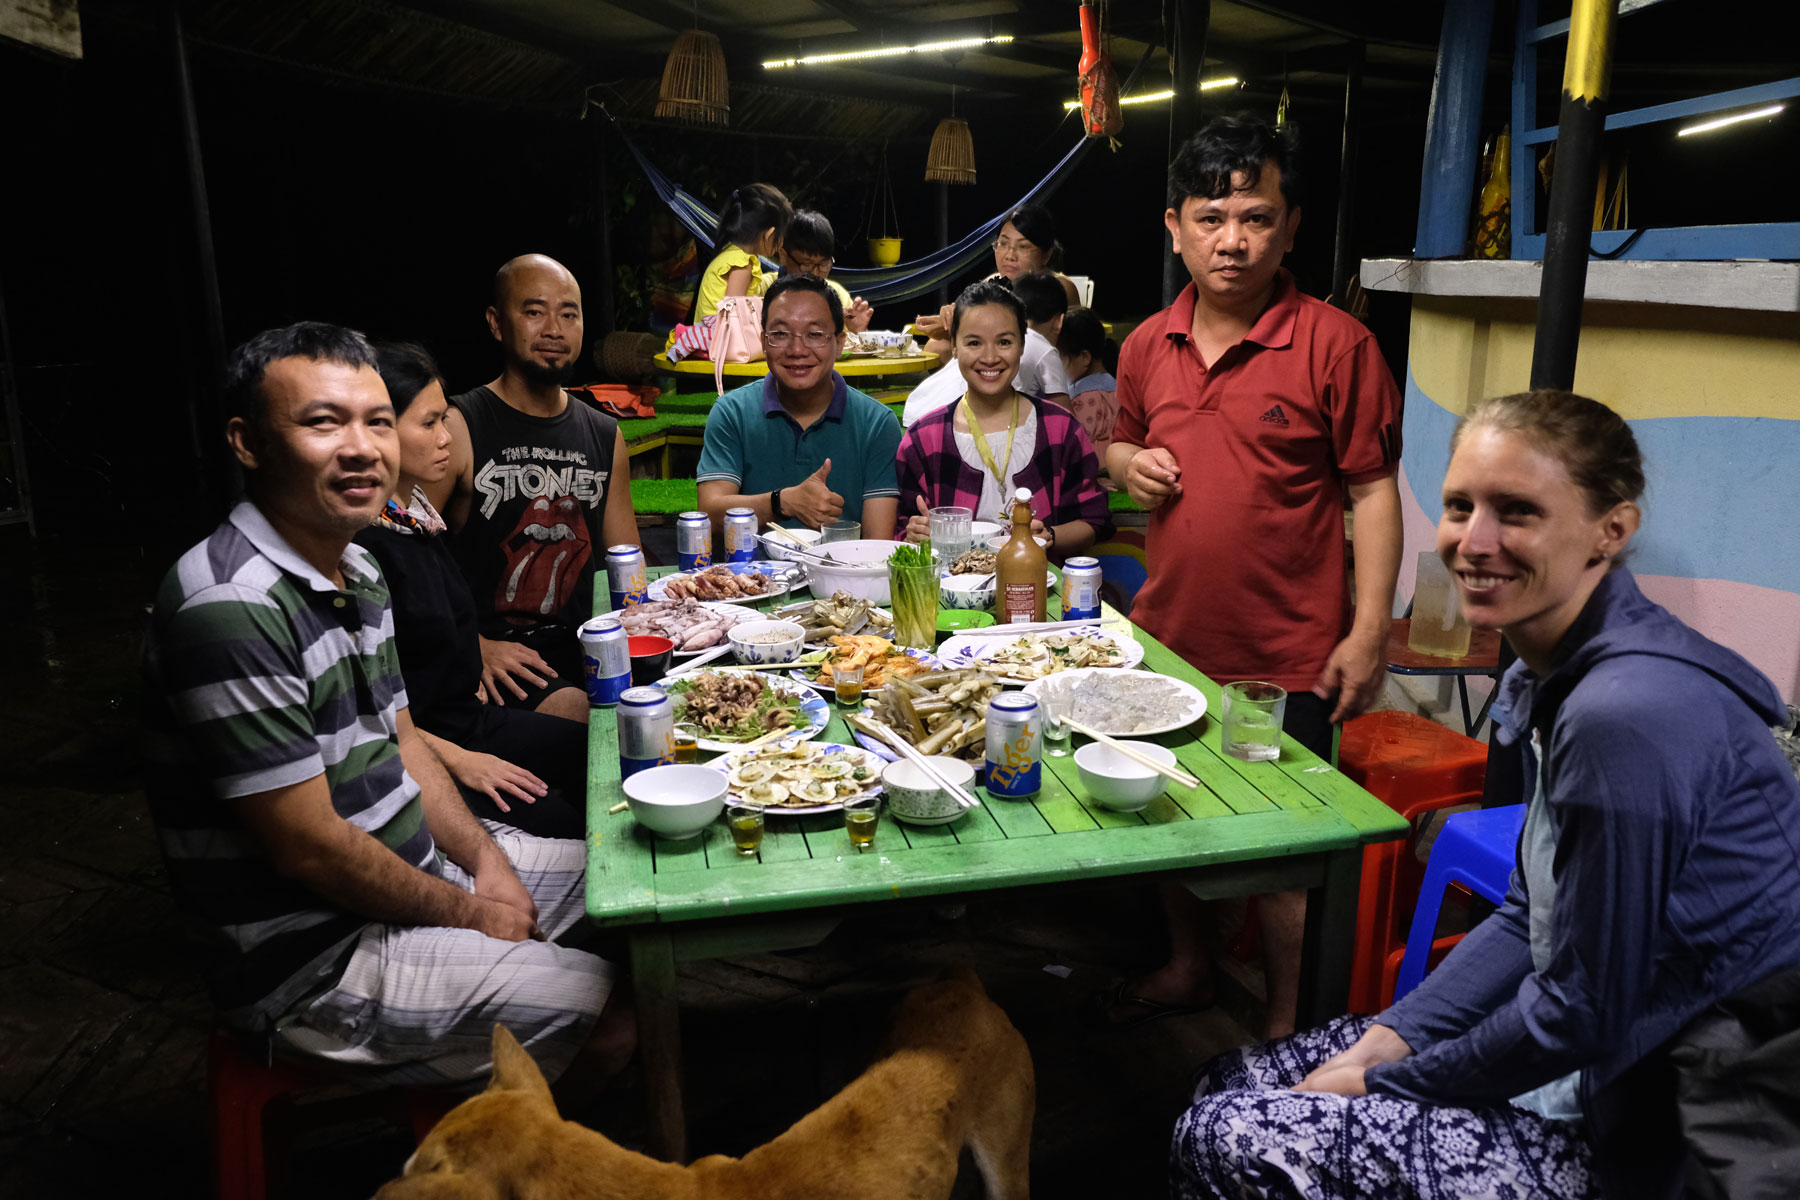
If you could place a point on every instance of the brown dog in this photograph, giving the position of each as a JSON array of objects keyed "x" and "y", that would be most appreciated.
[{"x": 954, "y": 1073}]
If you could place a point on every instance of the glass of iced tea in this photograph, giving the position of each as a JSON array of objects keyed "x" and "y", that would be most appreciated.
[
  {"x": 848, "y": 681},
  {"x": 746, "y": 821},
  {"x": 860, "y": 815},
  {"x": 686, "y": 750}
]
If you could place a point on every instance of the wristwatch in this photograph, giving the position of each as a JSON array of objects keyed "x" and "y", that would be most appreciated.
[{"x": 775, "y": 512}]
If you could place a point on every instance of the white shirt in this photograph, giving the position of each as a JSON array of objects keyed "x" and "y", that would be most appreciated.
[
  {"x": 1040, "y": 374},
  {"x": 989, "y": 507}
]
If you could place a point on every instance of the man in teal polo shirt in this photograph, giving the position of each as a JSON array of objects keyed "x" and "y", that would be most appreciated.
[{"x": 801, "y": 447}]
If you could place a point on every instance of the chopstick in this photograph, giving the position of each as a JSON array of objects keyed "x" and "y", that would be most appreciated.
[
  {"x": 1037, "y": 627},
  {"x": 878, "y": 729},
  {"x": 1142, "y": 760},
  {"x": 700, "y": 660}
]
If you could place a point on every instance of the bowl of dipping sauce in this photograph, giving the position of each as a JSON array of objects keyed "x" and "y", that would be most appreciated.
[
  {"x": 650, "y": 657},
  {"x": 762, "y": 643}
]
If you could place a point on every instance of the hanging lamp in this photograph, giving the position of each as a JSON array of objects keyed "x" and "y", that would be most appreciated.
[
  {"x": 695, "y": 88},
  {"x": 951, "y": 158}
]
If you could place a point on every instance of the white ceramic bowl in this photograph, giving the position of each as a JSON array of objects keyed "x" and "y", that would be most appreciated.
[
  {"x": 1000, "y": 539},
  {"x": 912, "y": 794},
  {"x": 676, "y": 801},
  {"x": 962, "y": 591},
  {"x": 1117, "y": 782},
  {"x": 860, "y": 569},
  {"x": 887, "y": 339},
  {"x": 981, "y": 531},
  {"x": 745, "y": 644},
  {"x": 778, "y": 547}
]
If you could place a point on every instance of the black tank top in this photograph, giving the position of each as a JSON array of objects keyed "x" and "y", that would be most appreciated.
[{"x": 533, "y": 536}]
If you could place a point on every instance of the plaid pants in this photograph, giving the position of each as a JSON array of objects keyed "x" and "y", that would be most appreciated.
[{"x": 417, "y": 1004}]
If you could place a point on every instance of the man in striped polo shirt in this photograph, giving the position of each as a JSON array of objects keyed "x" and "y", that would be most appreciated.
[{"x": 352, "y": 907}]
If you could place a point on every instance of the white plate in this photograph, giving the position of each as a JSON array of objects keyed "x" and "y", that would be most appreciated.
[
  {"x": 813, "y": 710},
  {"x": 729, "y": 763},
  {"x": 923, "y": 656},
  {"x": 965, "y": 651},
  {"x": 780, "y": 571},
  {"x": 1196, "y": 700}
]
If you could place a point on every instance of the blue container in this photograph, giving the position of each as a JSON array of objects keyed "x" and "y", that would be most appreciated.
[
  {"x": 626, "y": 579},
  {"x": 740, "y": 534},
  {"x": 1014, "y": 746},
  {"x": 646, "y": 730},
  {"x": 606, "y": 660},
  {"x": 693, "y": 541}
]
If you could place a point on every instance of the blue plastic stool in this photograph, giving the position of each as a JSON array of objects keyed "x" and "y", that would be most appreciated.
[{"x": 1476, "y": 849}]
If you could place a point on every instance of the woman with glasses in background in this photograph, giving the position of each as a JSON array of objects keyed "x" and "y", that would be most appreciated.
[{"x": 1026, "y": 243}]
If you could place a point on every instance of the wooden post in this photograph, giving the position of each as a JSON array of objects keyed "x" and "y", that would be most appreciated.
[
  {"x": 605, "y": 310},
  {"x": 1343, "y": 254},
  {"x": 1453, "y": 130},
  {"x": 1188, "y": 23}
]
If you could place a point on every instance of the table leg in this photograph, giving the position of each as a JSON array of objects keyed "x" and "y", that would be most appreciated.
[
  {"x": 1330, "y": 945},
  {"x": 659, "y": 1041}
]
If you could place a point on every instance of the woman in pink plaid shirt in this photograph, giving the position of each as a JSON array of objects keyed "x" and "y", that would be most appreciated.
[{"x": 974, "y": 452}]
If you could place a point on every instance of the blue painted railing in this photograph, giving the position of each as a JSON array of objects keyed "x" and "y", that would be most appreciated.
[{"x": 1777, "y": 240}]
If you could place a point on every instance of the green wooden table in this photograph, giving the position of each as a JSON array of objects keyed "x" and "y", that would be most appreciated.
[{"x": 1251, "y": 828}]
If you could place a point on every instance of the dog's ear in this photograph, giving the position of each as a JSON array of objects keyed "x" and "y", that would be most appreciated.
[{"x": 514, "y": 1070}]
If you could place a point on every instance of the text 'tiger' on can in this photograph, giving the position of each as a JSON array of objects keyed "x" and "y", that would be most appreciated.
[
  {"x": 646, "y": 730},
  {"x": 1014, "y": 746},
  {"x": 626, "y": 578},
  {"x": 740, "y": 534}
]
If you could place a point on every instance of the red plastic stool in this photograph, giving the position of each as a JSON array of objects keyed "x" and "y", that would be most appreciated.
[
  {"x": 240, "y": 1091},
  {"x": 1416, "y": 767}
]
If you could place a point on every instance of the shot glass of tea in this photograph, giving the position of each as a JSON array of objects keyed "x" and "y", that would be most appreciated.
[
  {"x": 746, "y": 821},
  {"x": 848, "y": 681},
  {"x": 686, "y": 749},
  {"x": 860, "y": 815}
]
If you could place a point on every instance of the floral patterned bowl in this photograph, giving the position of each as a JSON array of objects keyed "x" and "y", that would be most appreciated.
[
  {"x": 760, "y": 643},
  {"x": 975, "y": 592}
]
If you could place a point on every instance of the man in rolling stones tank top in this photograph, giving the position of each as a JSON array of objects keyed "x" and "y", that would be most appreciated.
[{"x": 530, "y": 497}]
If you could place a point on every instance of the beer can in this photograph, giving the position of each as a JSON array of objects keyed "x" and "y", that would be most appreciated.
[
  {"x": 693, "y": 541},
  {"x": 606, "y": 660},
  {"x": 1081, "y": 590},
  {"x": 625, "y": 576},
  {"x": 646, "y": 730},
  {"x": 1014, "y": 746},
  {"x": 740, "y": 534}
]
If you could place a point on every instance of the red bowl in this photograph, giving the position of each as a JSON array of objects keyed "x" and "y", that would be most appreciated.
[{"x": 650, "y": 658}]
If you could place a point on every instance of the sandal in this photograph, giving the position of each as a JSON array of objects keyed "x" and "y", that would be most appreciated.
[{"x": 1102, "y": 1006}]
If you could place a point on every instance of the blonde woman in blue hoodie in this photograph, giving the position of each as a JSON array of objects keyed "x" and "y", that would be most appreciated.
[{"x": 1655, "y": 875}]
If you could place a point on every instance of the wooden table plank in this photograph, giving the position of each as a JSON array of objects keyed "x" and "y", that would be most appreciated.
[{"x": 621, "y": 877}]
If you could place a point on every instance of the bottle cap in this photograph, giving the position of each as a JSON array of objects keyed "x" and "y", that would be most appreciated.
[{"x": 1023, "y": 494}]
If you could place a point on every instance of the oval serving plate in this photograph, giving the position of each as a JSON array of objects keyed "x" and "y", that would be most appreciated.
[
  {"x": 813, "y": 709},
  {"x": 781, "y": 574},
  {"x": 821, "y": 752}
]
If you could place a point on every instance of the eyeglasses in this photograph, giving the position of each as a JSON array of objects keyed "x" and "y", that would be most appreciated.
[
  {"x": 808, "y": 266},
  {"x": 1020, "y": 247},
  {"x": 812, "y": 339}
]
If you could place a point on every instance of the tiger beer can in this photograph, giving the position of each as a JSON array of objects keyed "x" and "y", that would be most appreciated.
[
  {"x": 1081, "y": 589},
  {"x": 625, "y": 576},
  {"x": 606, "y": 660},
  {"x": 1014, "y": 746},
  {"x": 646, "y": 730},
  {"x": 693, "y": 541},
  {"x": 740, "y": 534}
]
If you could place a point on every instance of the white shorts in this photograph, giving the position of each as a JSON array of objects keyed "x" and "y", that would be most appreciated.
[{"x": 418, "y": 1004}]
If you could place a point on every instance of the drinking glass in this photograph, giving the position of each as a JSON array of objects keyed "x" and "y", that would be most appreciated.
[
  {"x": 860, "y": 815},
  {"x": 840, "y": 531},
  {"x": 848, "y": 681},
  {"x": 1252, "y": 720},
  {"x": 914, "y": 589},
  {"x": 746, "y": 821},
  {"x": 1057, "y": 706},
  {"x": 950, "y": 532},
  {"x": 686, "y": 747}
]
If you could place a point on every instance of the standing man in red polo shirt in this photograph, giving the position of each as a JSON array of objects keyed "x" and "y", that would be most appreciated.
[{"x": 1247, "y": 413}]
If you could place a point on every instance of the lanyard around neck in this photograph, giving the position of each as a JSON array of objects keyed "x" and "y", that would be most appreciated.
[{"x": 981, "y": 440}]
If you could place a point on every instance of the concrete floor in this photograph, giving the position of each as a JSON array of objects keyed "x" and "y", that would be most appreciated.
[{"x": 103, "y": 1020}]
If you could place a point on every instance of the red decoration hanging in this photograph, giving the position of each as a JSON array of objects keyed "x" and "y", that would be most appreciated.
[{"x": 1100, "y": 110}]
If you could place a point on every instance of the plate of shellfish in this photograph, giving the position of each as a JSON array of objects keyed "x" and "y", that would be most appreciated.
[{"x": 800, "y": 779}]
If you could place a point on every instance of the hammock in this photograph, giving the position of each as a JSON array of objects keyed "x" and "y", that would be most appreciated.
[{"x": 880, "y": 284}]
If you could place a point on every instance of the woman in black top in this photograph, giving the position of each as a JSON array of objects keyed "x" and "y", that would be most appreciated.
[{"x": 525, "y": 769}]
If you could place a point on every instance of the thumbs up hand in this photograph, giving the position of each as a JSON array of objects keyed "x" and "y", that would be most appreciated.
[
  {"x": 812, "y": 500},
  {"x": 918, "y": 528}
]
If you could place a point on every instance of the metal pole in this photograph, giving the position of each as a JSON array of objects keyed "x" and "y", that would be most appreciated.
[
  {"x": 943, "y": 234},
  {"x": 206, "y": 415},
  {"x": 1587, "y": 79},
  {"x": 1188, "y": 23},
  {"x": 1344, "y": 257},
  {"x": 1453, "y": 130}
]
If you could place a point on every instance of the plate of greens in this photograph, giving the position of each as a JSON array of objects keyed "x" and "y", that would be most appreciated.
[{"x": 725, "y": 708}]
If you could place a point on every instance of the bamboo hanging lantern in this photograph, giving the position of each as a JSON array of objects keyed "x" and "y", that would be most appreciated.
[
  {"x": 694, "y": 84},
  {"x": 951, "y": 158}
]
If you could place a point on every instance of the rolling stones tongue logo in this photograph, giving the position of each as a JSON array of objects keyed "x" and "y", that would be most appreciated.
[{"x": 545, "y": 556}]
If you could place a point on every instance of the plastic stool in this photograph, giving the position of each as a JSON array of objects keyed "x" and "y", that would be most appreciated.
[
  {"x": 240, "y": 1091},
  {"x": 1416, "y": 767},
  {"x": 1475, "y": 849}
]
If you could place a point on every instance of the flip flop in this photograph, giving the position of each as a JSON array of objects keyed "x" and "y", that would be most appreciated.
[{"x": 1103, "y": 1004}]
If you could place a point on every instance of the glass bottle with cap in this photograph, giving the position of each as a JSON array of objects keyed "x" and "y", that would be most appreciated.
[{"x": 1019, "y": 569}]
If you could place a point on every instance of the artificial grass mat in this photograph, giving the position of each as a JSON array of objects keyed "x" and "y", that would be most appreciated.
[{"x": 670, "y": 496}]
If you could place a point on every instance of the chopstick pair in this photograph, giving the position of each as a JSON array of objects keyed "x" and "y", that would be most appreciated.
[
  {"x": 880, "y": 730},
  {"x": 1142, "y": 760}
]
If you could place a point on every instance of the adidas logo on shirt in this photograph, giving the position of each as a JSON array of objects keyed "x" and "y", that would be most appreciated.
[{"x": 1276, "y": 417}]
